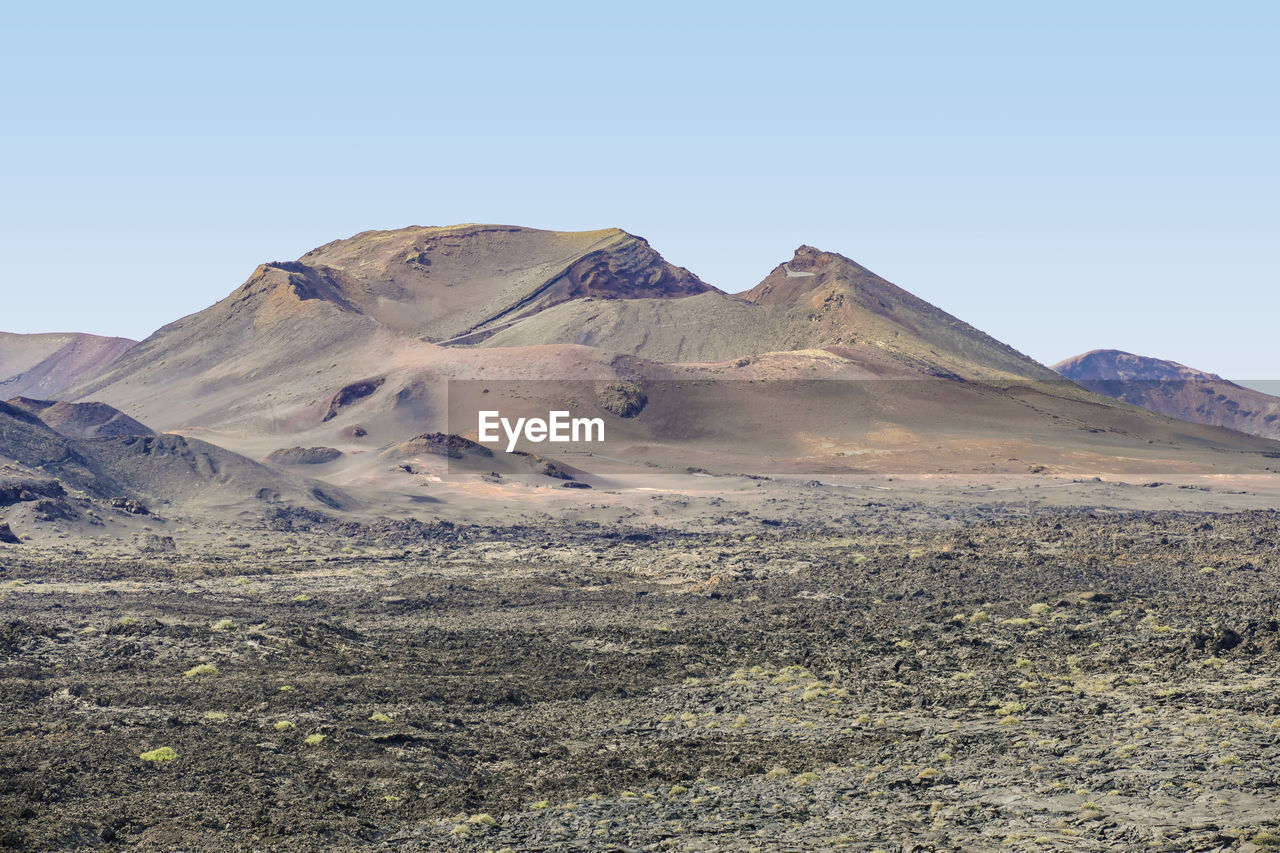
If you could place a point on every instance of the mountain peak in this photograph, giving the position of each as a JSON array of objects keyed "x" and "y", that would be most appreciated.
[
  {"x": 845, "y": 304},
  {"x": 811, "y": 256},
  {"x": 1113, "y": 365},
  {"x": 446, "y": 283}
]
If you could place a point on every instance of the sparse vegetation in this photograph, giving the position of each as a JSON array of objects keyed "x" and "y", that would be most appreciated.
[{"x": 924, "y": 716}]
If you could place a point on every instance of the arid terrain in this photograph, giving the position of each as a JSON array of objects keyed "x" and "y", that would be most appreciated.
[
  {"x": 848, "y": 573},
  {"x": 856, "y": 671},
  {"x": 1176, "y": 390}
]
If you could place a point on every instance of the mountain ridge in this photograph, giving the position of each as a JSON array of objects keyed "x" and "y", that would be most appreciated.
[
  {"x": 850, "y": 306},
  {"x": 354, "y": 346},
  {"x": 81, "y": 420},
  {"x": 425, "y": 301},
  {"x": 1174, "y": 389},
  {"x": 47, "y": 364}
]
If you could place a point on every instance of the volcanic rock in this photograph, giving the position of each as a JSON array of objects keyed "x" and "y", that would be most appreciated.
[{"x": 303, "y": 455}]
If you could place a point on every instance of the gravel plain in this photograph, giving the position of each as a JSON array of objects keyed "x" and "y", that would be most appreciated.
[{"x": 890, "y": 677}]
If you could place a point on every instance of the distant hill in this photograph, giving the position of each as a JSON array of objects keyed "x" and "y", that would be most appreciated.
[
  {"x": 841, "y": 303},
  {"x": 277, "y": 350},
  {"x": 440, "y": 284},
  {"x": 38, "y": 463},
  {"x": 816, "y": 300},
  {"x": 1176, "y": 390},
  {"x": 81, "y": 420},
  {"x": 353, "y": 346},
  {"x": 44, "y": 366},
  {"x": 416, "y": 300}
]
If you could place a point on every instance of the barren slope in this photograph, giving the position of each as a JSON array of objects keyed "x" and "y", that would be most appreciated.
[
  {"x": 46, "y": 365},
  {"x": 82, "y": 420},
  {"x": 185, "y": 472},
  {"x": 840, "y": 303},
  {"x": 441, "y": 283},
  {"x": 274, "y": 354},
  {"x": 353, "y": 346},
  {"x": 817, "y": 300},
  {"x": 703, "y": 328},
  {"x": 1175, "y": 390}
]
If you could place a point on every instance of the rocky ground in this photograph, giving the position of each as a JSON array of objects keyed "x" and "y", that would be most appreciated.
[{"x": 896, "y": 679}]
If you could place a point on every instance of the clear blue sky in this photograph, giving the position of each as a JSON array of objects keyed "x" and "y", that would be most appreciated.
[{"x": 1064, "y": 176}]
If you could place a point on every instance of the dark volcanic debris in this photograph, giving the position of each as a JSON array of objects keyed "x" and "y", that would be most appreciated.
[{"x": 988, "y": 680}]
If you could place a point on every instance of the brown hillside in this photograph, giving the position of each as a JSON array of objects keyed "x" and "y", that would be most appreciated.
[
  {"x": 82, "y": 420},
  {"x": 841, "y": 303},
  {"x": 46, "y": 365},
  {"x": 1175, "y": 390}
]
